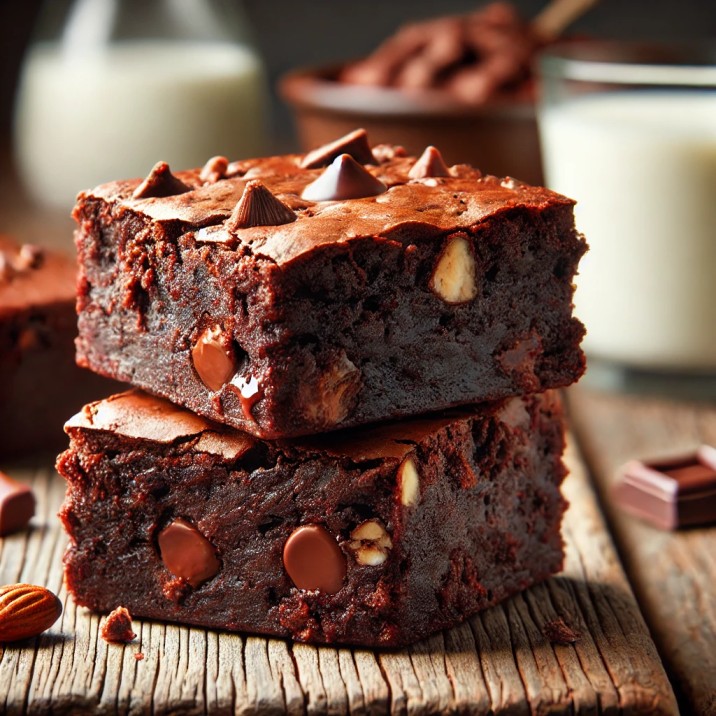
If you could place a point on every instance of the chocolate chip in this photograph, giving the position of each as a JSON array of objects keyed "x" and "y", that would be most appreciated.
[
  {"x": 160, "y": 182},
  {"x": 17, "y": 505},
  {"x": 430, "y": 164},
  {"x": 354, "y": 143},
  {"x": 186, "y": 553},
  {"x": 313, "y": 559},
  {"x": 344, "y": 179},
  {"x": 259, "y": 207},
  {"x": 213, "y": 360},
  {"x": 214, "y": 169}
]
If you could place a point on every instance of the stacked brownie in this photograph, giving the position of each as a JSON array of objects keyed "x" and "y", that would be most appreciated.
[{"x": 362, "y": 445}]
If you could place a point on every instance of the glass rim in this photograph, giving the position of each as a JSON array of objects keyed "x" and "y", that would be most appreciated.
[{"x": 630, "y": 62}]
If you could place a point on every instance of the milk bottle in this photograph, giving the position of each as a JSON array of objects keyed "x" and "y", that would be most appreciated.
[{"x": 128, "y": 83}]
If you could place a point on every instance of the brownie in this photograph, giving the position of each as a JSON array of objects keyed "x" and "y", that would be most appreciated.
[
  {"x": 298, "y": 294},
  {"x": 373, "y": 536},
  {"x": 40, "y": 384}
]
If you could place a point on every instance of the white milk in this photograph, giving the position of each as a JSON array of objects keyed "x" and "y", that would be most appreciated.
[
  {"x": 642, "y": 166},
  {"x": 80, "y": 123}
]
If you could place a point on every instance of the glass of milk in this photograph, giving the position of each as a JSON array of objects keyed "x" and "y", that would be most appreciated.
[
  {"x": 629, "y": 131},
  {"x": 110, "y": 87}
]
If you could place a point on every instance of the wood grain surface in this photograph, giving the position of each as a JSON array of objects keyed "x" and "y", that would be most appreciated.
[
  {"x": 500, "y": 662},
  {"x": 673, "y": 574}
]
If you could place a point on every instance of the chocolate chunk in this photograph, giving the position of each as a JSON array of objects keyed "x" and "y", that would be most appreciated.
[
  {"x": 214, "y": 169},
  {"x": 160, "y": 182},
  {"x": 259, "y": 207},
  {"x": 187, "y": 553},
  {"x": 670, "y": 493},
  {"x": 117, "y": 628},
  {"x": 430, "y": 164},
  {"x": 17, "y": 505},
  {"x": 354, "y": 143},
  {"x": 213, "y": 360},
  {"x": 314, "y": 560},
  {"x": 331, "y": 398},
  {"x": 343, "y": 179},
  {"x": 249, "y": 391}
]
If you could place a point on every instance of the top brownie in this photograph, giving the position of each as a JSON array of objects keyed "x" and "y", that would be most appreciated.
[{"x": 298, "y": 294}]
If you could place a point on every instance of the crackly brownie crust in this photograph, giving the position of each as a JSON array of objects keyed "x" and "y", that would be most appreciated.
[
  {"x": 40, "y": 384},
  {"x": 335, "y": 317},
  {"x": 476, "y": 519}
]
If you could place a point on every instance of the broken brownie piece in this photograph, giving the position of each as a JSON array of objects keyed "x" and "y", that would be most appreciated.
[
  {"x": 117, "y": 628},
  {"x": 299, "y": 294},
  {"x": 375, "y": 536}
]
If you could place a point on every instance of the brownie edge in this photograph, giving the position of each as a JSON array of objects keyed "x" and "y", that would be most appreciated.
[{"x": 418, "y": 524}]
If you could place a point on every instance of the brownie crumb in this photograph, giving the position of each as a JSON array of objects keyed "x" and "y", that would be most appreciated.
[
  {"x": 139, "y": 656},
  {"x": 118, "y": 627},
  {"x": 559, "y": 632}
]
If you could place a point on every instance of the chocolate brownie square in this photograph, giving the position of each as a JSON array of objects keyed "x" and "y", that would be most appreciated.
[
  {"x": 373, "y": 536},
  {"x": 40, "y": 384},
  {"x": 299, "y": 294}
]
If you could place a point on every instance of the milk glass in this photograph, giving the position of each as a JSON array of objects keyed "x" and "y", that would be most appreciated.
[
  {"x": 629, "y": 131},
  {"x": 109, "y": 87}
]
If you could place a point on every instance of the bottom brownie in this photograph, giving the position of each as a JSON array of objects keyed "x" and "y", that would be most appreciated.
[{"x": 376, "y": 536}]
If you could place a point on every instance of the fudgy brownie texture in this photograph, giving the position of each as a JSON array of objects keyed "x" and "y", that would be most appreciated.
[
  {"x": 375, "y": 536},
  {"x": 298, "y": 294},
  {"x": 40, "y": 384}
]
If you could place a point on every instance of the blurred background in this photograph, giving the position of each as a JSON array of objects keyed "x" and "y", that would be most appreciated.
[{"x": 290, "y": 34}]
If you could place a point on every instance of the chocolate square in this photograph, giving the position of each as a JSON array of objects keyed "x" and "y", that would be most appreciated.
[{"x": 672, "y": 492}]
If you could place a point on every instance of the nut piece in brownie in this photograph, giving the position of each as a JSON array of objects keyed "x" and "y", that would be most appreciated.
[
  {"x": 298, "y": 294},
  {"x": 373, "y": 536},
  {"x": 40, "y": 384}
]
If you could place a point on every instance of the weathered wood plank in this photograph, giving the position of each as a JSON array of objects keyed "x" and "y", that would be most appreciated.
[
  {"x": 498, "y": 662},
  {"x": 673, "y": 574}
]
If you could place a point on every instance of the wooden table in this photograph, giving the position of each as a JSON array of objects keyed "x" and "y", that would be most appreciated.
[{"x": 643, "y": 602}]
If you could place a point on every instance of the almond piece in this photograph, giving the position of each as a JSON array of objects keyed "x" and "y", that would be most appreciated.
[
  {"x": 371, "y": 543},
  {"x": 409, "y": 481},
  {"x": 453, "y": 279},
  {"x": 26, "y": 610}
]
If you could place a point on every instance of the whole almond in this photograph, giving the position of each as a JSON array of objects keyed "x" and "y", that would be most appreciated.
[{"x": 26, "y": 610}]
